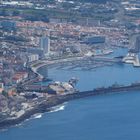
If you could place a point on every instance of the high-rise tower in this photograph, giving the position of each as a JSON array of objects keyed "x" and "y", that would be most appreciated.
[
  {"x": 137, "y": 44},
  {"x": 45, "y": 44}
]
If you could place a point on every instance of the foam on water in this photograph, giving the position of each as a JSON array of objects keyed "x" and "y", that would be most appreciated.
[
  {"x": 58, "y": 108},
  {"x": 37, "y": 116}
]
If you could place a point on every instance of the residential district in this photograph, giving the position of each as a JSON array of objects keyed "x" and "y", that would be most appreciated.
[{"x": 45, "y": 33}]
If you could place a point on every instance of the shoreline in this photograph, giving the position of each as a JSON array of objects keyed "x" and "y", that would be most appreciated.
[
  {"x": 35, "y": 67},
  {"x": 50, "y": 63},
  {"x": 46, "y": 105}
]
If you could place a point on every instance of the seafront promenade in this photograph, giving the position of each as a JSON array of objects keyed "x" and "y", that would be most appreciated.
[{"x": 35, "y": 66}]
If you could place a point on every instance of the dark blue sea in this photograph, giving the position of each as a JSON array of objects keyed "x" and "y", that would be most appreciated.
[
  {"x": 97, "y": 1},
  {"x": 106, "y": 117}
]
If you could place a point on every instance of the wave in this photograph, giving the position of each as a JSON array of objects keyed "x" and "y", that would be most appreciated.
[
  {"x": 58, "y": 108},
  {"x": 37, "y": 116}
]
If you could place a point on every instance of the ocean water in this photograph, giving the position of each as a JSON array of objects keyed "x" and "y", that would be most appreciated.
[
  {"x": 105, "y": 76},
  {"x": 106, "y": 117},
  {"x": 96, "y": 1},
  {"x": 110, "y": 117}
]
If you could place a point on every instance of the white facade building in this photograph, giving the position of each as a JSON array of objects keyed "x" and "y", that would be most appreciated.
[{"x": 33, "y": 57}]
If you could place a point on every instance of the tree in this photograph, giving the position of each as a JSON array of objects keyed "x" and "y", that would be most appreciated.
[{"x": 4, "y": 93}]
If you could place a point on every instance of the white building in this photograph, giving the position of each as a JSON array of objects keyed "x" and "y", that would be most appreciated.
[{"x": 33, "y": 57}]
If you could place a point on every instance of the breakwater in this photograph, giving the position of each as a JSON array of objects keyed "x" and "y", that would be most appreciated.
[{"x": 45, "y": 106}]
